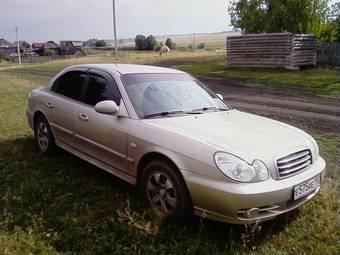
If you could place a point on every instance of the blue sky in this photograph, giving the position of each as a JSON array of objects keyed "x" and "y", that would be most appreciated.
[{"x": 42, "y": 20}]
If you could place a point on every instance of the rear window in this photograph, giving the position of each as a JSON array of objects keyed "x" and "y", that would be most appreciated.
[{"x": 70, "y": 85}]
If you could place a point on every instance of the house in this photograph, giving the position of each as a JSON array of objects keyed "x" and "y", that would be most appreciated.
[
  {"x": 38, "y": 48},
  {"x": 8, "y": 48},
  {"x": 71, "y": 48},
  {"x": 38, "y": 45},
  {"x": 52, "y": 46},
  {"x": 24, "y": 45},
  {"x": 78, "y": 44}
]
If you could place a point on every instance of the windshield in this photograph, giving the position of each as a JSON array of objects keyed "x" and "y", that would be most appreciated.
[{"x": 164, "y": 94}]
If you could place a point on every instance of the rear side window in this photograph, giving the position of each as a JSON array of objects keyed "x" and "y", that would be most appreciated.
[
  {"x": 70, "y": 85},
  {"x": 98, "y": 89}
]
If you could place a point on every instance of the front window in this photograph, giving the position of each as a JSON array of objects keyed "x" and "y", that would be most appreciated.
[
  {"x": 155, "y": 95},
  {"x": 98, "y": 89}
]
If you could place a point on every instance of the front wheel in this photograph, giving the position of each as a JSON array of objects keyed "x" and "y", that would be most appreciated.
[
  {"x": 44, "y": 136},
  {"x": 163, "y": 188}
]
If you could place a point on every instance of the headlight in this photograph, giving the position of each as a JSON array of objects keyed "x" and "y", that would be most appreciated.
[{"x": 239, "y": 170}]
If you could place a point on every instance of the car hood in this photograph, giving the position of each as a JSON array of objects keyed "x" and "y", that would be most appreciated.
[{"x": 246, "y": 135}]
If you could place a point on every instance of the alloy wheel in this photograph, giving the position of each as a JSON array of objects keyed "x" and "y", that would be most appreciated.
[
  {"x": 161, "y": 192},
  {"x": 42, "y": 136}
]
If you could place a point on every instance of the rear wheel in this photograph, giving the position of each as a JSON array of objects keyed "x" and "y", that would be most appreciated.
[
  {"x": 44, "y": 136},
  {"x": 163, "y": 188}
]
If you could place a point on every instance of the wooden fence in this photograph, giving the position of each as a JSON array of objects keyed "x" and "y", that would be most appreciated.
[
  {"x": 41, "y": 59},
  {"x": 271, "y": 50},
  {"x": 328, "y": 54}
]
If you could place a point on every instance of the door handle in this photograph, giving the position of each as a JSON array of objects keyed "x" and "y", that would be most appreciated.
[
  {"x": 83, "y": 117},
  {"x": 49, "y": 105}
]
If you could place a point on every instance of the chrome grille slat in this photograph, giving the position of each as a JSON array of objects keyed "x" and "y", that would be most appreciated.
[
  {"x": 296, "y": 168},
  {"x": 293, "y": 163},
  {"x": 293, "y": 156}
]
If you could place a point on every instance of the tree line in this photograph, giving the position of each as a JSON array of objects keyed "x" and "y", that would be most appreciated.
[
  {"x": 142, "y": 42},
  {"x": 318, "y": 17},
  {"x": 150, "y": 43}
]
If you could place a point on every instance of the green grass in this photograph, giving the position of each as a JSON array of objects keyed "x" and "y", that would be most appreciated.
[
  {"x": 212, "y": 41},
  {"x": 124, "y": 57},
  {"x": 63, "y": 204},
  {"x": 98, "y": 52},
  {"x": 318, "y": 81},
  {"x": 21, "y": 243}
]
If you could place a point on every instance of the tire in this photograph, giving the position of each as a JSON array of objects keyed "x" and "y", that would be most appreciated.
[
  {"x": 44, "y": 136},
  {"x": 163, "y": 188}
]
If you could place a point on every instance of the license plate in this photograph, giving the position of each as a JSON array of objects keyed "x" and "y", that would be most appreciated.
[{"x": 306, "y": 187}]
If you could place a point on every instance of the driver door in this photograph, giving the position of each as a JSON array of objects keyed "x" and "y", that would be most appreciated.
[{"x": 102, "y": 136}]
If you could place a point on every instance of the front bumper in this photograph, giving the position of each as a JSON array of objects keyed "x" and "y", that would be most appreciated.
[{"x": 228, "y": 202}]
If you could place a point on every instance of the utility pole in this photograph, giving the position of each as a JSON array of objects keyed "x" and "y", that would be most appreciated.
[
  {"x": 194, "y": 41},
  {"x": 18, "y": 45},
  {"x": 114, "y": 26}
]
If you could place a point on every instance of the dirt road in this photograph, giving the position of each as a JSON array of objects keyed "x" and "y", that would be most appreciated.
[{"x": 309, "y": 112}]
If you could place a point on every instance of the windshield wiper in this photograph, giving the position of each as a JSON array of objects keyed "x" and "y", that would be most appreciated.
[
  {"x": 194, "y": 111},
  {"x": 208, "y": 108},
  {"x": 165, "y": 113}
]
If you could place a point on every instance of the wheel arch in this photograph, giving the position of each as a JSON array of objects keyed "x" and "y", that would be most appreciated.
[
  {"x": 151, "y": 156},
  {"x": 36, "y": 115}
]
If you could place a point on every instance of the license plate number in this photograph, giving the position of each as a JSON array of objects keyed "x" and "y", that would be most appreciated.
[{"x": 306, "y": 187}]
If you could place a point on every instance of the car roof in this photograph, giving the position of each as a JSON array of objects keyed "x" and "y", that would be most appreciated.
[{"x": 129, "y": 68}]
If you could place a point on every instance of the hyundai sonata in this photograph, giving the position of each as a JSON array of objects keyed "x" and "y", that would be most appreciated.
[{"x": 179, "y": 142}]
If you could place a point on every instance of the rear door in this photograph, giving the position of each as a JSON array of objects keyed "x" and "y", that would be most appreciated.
[
  {"x": 102, "y": 136},
  {"x": 62, "y": 105}
]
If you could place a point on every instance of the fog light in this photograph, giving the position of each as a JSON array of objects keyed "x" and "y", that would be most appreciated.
[{"x": 253, "y": 213}]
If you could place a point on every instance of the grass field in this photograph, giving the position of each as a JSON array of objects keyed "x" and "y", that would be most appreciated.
[
  {"x": 124, "y": 57},
  {"x": 211, "y": 40},
  {"x": 322, "y": 82},
  {"x": 61, "y": 204}
]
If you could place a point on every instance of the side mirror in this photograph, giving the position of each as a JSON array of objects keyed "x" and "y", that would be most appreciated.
[
  {"x": 220, "y": 96},
  {"x": 106, "y": 107}
]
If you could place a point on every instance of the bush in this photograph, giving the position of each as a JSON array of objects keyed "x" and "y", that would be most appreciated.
[
  {"x": 48, "y": 52},
  {"x": 140, "y": 43},
  {"x": 170, "y": 44},
  {"x": 100, "y": 43},
  {"x": 150, "y": 43},
  {"x": 159, "y": 46},
  {"x": 201, "y": 45},
  {"x": 90, "y": 42},
  {"x": 190, "y": 47}
]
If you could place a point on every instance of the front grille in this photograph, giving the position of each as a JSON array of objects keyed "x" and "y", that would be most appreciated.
[{"x": 294, "y": 163}]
